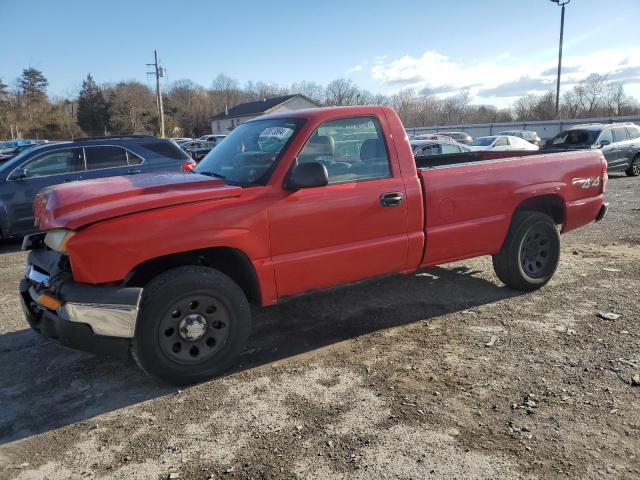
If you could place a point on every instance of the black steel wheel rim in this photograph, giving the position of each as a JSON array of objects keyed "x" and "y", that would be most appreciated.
[
  {"x": 536, "y": 252},
  {"x": 194, "y": 329}
]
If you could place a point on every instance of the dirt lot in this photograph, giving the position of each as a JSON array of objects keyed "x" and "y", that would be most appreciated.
[{"x": 445, "y": 374}]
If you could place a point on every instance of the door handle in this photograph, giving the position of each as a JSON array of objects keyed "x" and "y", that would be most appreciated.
[
  {"x": 133, "y": 171},
  {"x": 391, "y": 199}
]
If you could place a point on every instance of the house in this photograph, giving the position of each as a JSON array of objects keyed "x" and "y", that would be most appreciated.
[{"x": 226, "y": 121}]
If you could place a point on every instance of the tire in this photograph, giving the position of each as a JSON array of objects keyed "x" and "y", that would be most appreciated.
[
  {"x": 530, "y": 253},
  {"x": 634, "y": 168},
  {"x": 193, "y": 324}
]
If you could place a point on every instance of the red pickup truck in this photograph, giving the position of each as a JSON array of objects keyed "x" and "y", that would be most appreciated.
[{"x": 166, "y": 266}]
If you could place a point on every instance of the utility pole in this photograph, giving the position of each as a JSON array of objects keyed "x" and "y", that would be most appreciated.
[
  {"x": 158, "y": 72},
  {"x": 560, "y": 3}
]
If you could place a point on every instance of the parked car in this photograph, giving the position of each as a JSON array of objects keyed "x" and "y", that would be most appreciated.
[
  {"x": 181, "y": 139},
  {"x": 528, "y": 135},
  {"x": 424, "y": 148},
  {"x": 197, "y": 149},
  {"x": 170, "y": 276},
  {"x": 23, "y": 176},
  {"x": 431, "y": 136},
  {"x": 6, "y": 153},
  {"x": 8, "y": 146},
  {"x": 460, "y": 137},
  {"x": 215, "y": 139},
  {"x": 618, "y": 142},
  {"x": 501, "y": 142}
]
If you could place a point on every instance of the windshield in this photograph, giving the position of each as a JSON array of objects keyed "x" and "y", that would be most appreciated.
[
  {"x": 574, "y": 138},
  {"x": 483, "y": 141},
  {"x": 251, "y": 152},
  {"x": 23, "y": 154}
]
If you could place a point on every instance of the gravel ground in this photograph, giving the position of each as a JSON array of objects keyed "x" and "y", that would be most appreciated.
[{"x": 444, "y": 374}]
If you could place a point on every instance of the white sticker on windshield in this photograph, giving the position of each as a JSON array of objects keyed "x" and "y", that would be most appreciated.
[{"x": 276, "y": 132}]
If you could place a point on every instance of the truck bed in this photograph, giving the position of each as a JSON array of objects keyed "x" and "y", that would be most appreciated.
[
  {"x": 470, "y": 157},
  {"x": 470, "y": 198}
]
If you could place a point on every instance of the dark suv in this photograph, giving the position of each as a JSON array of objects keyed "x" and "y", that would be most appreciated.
[
  {"x": 619, "y": 142},
  {"x": 24, "y": 175}
]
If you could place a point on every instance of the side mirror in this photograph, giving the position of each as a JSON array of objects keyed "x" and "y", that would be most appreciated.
[
  {"x": 18, "y": 174},
  {"x": 604, "y": 143},
  {"x": 308, "y": 175}
]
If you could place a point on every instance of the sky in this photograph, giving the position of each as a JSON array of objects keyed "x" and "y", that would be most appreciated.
[{"x": 498, "y": 49}]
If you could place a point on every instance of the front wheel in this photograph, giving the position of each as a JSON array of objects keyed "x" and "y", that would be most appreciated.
[
  {"x": 634, "y": 168},
  {"x": 530, "y": 253},
  {"x": 194, "y": 322}
]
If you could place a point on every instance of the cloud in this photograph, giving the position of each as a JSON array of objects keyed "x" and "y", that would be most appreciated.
[
  {"x": 518, "y": 87},
  {"x": 553, "y": 71},
  {"x": 504, "y": 75},
  {"x": 626, "y": 75},
  {"x": 355, "y": 69}
]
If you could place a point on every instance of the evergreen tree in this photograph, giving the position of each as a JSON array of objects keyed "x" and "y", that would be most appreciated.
[
  {"x": 93, "y": 110},
  {"x": 33, "y": 88}
]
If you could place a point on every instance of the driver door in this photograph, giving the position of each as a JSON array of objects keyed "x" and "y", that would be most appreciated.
[
  {"x": 44, "y": 170},
  {"x": 349, "y": 229},
  {"x": 610, "y": 150}
]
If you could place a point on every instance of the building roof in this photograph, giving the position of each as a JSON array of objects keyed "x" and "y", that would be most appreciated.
[{"x": 255, "y": 108}]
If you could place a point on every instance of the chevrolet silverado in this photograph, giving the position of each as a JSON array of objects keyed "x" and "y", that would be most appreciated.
[{"x": 166, "y": 266}]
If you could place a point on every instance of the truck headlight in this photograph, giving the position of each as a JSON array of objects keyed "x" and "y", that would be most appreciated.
[{"x": 58, "y": 238}]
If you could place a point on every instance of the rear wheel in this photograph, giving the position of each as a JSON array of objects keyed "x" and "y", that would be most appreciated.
[
  {"x": 193, "y": 324},
  {"x": 531, "y": 252},
  {"x": 634, "y": 168}
]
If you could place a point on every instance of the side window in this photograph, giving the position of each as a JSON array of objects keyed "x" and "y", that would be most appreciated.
[
  {"x": 133, "y": 159},
  {"x": 105, "y": 157},
  {"x": 502, "y": 142},
  {"x": 427, "y": 150},
  {"x": 449, "y": 149},
  {"x": 606, "y": 136},
  {"x": 352, "y": 149},
  {"x": 633, "y": 132},
  {"x": 54, "y": 163},
  {"x": 620, "y": 134}
]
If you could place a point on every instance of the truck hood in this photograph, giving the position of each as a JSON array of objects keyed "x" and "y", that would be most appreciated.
[{"x": 74, "y": 205}]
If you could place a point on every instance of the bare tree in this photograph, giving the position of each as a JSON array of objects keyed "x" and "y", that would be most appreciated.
[
  {"x": 591, "y": 92},
  {"x": 312, "y": 90},
  {"x": 342, "y": 91},
  {"x": 264, "y": 90}
]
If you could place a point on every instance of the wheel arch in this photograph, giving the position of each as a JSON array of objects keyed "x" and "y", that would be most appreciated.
[
  {"x": 550, "y": 204},
  {"x": 231, "y": 261}
]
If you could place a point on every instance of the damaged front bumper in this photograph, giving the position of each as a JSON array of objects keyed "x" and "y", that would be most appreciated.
[{"x": 95, "y": 318}]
